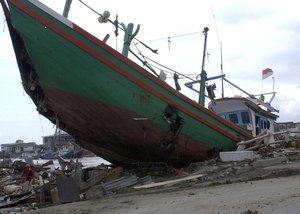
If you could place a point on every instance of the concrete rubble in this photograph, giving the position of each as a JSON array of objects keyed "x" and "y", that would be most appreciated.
[{"x": 72, "y": 182}]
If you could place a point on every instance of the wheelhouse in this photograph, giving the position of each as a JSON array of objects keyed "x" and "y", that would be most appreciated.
[{"x": 245, "y": 114}]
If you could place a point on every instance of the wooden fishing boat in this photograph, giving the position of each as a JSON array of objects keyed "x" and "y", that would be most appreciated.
[{"x": 111, "y": 105}]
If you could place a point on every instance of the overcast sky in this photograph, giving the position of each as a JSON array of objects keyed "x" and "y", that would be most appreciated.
[{"x": 254, "y": 35}]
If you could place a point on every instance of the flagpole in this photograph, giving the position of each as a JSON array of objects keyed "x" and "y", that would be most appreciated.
[
  {"x": 262, "y": 84},
  {"x": 265, "y": 74}
]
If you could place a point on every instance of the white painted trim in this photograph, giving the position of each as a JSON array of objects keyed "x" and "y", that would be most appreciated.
[{"x": 52, "y": 13}]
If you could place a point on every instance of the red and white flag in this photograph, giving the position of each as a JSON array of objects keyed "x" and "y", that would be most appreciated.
[{"x": 266, "y": 73}]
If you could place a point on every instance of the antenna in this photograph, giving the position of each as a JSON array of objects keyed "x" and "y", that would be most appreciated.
[
  {"x": 203, "y": 73},
  {"x": 221, "y": 50}
]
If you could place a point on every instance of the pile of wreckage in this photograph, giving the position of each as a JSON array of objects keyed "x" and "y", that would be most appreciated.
[
  {"x": 46, "y": 185},
  {"x": 72, "y": 182}
]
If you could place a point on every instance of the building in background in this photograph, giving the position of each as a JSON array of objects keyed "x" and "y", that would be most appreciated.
[
  {"x": 283, "y": 126},
  {"x": 20, "y": 149},
  {"x": 61, "y": 143},
  {"x": 293, "y": 128}
]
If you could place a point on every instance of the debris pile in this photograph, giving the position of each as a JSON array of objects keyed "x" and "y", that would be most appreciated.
[{"x": 26, "y": 186}]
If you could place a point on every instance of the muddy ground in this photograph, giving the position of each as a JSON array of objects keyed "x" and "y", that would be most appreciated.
[{"x": 268, "y": 185}]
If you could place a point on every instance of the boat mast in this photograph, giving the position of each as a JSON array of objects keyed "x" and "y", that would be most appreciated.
[
  {"x": 128, "y": 37},
  {"x": 222, "y": 70},
  {"x": 203, "y": 72},
  {"x": 67, "y": 8}
]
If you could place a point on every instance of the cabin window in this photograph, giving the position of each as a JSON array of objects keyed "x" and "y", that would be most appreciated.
[
  {"x": 233, "y": 118},
  {"x": 245, "y": 117}
]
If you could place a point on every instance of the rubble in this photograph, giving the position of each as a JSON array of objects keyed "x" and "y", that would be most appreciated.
[
  {"x": 71, "y": 182},
  {"x": 236, "y": 156}
]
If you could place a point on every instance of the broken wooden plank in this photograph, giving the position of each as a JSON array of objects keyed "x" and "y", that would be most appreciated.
[
  {"x": 13, "y": 202},
  {"x": 173, "y": 181}
]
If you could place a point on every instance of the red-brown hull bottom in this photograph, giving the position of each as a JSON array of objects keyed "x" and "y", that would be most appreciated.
[{"x": 113, "y": 133}]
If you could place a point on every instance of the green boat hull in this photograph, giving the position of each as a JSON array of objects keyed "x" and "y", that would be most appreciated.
[{"x": 111, "y": 105}]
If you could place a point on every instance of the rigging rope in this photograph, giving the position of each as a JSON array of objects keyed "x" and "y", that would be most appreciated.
[
  {"x": 168, "y": 68},
  {"x": 90, "y": 8},
  {"x": 118, "y": 26},
  {"x": 171, "y": 37},
  {"x": 4, "y": 20},
  {"x": 151, "y": 66}
]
